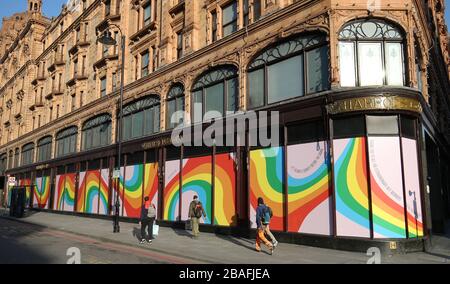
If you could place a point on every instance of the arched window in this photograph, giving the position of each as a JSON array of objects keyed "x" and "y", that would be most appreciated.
[
  {"x": 96, "y": 132},
  {"x": 28, "y": 154},
  {"x": 3, "y": 159},
  {"x": 216, "y": 90},
  {"x": 175, "y": 103},
  {"x": 45, "y": 149},
  {"x": 16, "y": 158},
  {"x": 141, "y": 118},
  {"x": 289, "y": 69},
  {"x": 10, "y": 159},
  {"x": 66, "y": 141},
  {"x": 371, "y": 54}
]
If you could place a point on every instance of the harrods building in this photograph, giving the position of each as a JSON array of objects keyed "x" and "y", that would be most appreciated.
[{"x": 362, "y": 92}]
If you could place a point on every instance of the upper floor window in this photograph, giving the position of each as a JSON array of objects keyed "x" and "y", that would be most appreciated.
[
  {"x": 214, "y": 26},
  {"x": 216, "y": 90},
  {"x": 45, "y": 149},
  {"x": 141, "y": 118},
  {"x": 147, "y": 14},
  {"x": 66, "y": 141},
  {"x": 145, "y": 62},
  {"x": 289, "y": 69},
  {"x": 3, "y": 164},
  {"x": 16, "y": 158},
  {"x": 107, "y": 8},
  {"x": 257, "y": 7},
  {"x": 96, "y": 132},
  {"x": 28, "y": 154},
  {"x": 103, "y": 87},
  {"x": 179, "y": 45},
  {"x": 175, "y": 106},
  {"x": 371, "y": 54},
  {"x": 229, "y": 19}
]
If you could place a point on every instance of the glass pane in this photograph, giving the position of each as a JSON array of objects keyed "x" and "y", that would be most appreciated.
[
  {"x": 229, "y": 13},
  {"x": 126, "y": 131},
  {"x": 66, "y": 146},
  {"x": 382, "y": 125},
  {"x": 156, "y": 118},
  {"x": 73, "y": 144},
  {"x": 170, "y": 111},
  {"x": 89, "y": 139},
  {"x": 96, "y": 136},
  {"x": 286, "y": 79},
  {"x": 229, "y": 29},
  {"x": 317, "y": 69},
  {"x": 394, "y": 64},
  {"x": 180, "y": 107},
  {"x": 256, "y": 88},
  {"x": 370, "y": 64},
  {"x": 347, "y": 64},
  {"x": 138, "y": 120},
  {"x": 149, "y": 115},
  {"x": 232, "y": 93},
  {"x": 197, "y": 99},
  {"x": 214, "y": 98}
]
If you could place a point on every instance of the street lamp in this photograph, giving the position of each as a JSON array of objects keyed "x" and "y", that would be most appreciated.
[{"x": 107, "y": 39}]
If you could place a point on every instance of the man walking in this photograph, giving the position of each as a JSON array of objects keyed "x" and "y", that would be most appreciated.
[
  {"x": 261, "y": 212},
  {"x": 196, "y": 212},
  {"x": 148, "y": 216}
]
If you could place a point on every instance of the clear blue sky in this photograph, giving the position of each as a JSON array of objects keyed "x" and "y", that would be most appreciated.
[{"x": 53, "y": 8}]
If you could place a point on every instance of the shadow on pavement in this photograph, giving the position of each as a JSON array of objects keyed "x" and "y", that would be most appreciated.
[{"x": 13, "y": 247}]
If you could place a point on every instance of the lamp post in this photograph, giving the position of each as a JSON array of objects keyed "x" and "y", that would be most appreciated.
[{"x": 107, "y": 39}]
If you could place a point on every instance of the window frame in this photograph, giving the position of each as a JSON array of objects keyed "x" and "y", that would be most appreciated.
[
  {"x": 64, "y": 136},
  {"x": 223, "y": 81},
  {"x": 44, "y": 146},
  {"x": 153, "y": 106},
  {"x": 175, "y": 98},
  {"x": 102, "y": 121},
  {"x": 234, "y": 20},
  {"x": 383, "y": 43},
  {"x": 303, "y": 52}
]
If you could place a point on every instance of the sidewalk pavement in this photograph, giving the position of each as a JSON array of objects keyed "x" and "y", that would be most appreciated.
[{"x": 219, "y": 249}]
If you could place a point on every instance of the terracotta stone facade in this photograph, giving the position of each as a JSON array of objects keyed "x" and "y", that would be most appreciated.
[{"x": 53, "y": 72}]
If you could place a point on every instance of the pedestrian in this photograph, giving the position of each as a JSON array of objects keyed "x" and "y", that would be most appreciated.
[
  {"x": 266, "y": 222},
  {"x": 261, "y": 211},
  {"x": 148, "y": 216},
  {"x": 196, "y": 212}
]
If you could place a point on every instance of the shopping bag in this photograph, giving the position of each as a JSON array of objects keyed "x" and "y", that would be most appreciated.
[{"x": 155, "y": 230}]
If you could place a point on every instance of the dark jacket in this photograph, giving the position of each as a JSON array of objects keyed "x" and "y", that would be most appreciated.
[
  {"x": 192, "y": 209},
  {"x": 260, "y": 211}
]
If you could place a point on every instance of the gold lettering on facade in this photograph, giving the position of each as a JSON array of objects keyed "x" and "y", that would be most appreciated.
[{"x": 375, "y": 103}]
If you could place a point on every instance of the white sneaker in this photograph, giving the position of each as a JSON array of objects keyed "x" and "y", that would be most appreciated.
[{"x": 275, "y": 244}]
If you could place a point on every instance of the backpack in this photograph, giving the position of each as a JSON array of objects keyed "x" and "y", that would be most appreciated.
[
  {"x": 198, "y": 210},
  {"x": 151, "y": 212},
  {"x": 267, "y": 215}
]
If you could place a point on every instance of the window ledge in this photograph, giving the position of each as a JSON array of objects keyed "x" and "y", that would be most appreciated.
[
  {"x": 177, "y": 8},
  {"x": 143, "y": 32},
  {"x": 104, "y": 60}
]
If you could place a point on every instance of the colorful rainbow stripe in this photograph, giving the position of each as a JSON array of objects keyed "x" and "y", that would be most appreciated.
[
  {"x": 171, "y": 190},
  {"x": 388, "y": 212},
  {"x": 151, "y": 183},
  {"x": 69, "y": 192},
  {"x": 27, "y": 184},
  {"x": 117, "y": 189},
  {"x": 58, "y": 196},
  {"x": 308, "y": 188},
  {"x": 133, "y": 191},
  {"x": 42, "y": 192},
  {"x": 225, "y": 190},
  {"x": 197, "y": 179},
  {"x": 351, "y": 188},
  {"x": 81, "y": 193},
  {"x": 104, "y": 192},
  {"x": 266, "y": 181},
  {"x": 92, "y": 192}
]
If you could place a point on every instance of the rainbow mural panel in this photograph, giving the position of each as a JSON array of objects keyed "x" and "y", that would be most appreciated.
[
  {"x": 225, "y": 190},
  {"x": 388, "y": 212},
  {"x": 351, "y": 188},
  {"x": 58, "y": 194},
  {"x": 412, "y": 187},
  {"x": 309, "y": 209},
  {"x": 171, "y": 196},
  {"x": 197, "y": 180},
  {"x": 36, "y": 197},
  {"x": 151, "y": 183},
  {"x": 92, "y": 192},
  {"x": 133, "y": 191},
  {"x": 118, "y": 191},
  {"x": 104, "y": 192},
  {"x": 266, "y": 181},
  {"x": 42, "y": 192},
  {"x": 69, "y": 192},
  {"x": 27, "y": 184},
  {"x": 81, "y": 193}
]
